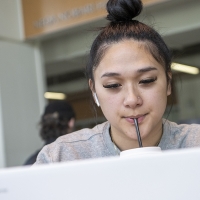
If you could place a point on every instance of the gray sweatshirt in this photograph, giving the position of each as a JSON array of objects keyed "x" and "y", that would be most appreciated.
[{"x": 96, "y": 142}]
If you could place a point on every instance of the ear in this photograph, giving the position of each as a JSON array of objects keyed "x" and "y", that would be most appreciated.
[
  {"x": 71, "y": 124},
  {"x": 91, "y": 85},
  {"x": 169, "y": 85}
]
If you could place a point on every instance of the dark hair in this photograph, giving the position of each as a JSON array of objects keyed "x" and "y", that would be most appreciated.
[
  {"x": 122, "y": 26},
  {"x": 54, "y": 121}
]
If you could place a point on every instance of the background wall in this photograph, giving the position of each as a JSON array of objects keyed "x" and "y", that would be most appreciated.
[{"x": 22, "y": 85}]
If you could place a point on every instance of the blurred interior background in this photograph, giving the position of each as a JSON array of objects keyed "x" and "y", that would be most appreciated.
[{"x": 43, "y": 49}]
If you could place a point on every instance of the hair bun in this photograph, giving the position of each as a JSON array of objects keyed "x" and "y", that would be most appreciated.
[{"x": 123, "y": 10}]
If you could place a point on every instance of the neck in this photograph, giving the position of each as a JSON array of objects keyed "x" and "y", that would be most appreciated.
[{"x": 124, "y": 143}]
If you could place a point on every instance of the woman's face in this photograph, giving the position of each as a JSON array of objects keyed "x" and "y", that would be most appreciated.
[{"x": 129, "y": 84}]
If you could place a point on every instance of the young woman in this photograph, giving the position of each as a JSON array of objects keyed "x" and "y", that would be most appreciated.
[{"x": 130, "y": 78}]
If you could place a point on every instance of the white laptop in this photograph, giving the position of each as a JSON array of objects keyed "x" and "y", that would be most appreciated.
[{"x": 170, "y": 175}]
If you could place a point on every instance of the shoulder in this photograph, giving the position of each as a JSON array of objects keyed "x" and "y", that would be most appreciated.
[
  {"x": 181, "y": 135},
  {"x": 183, "y": 129},
  {"x": 84, "y": 134},
  {"x": 82, "y": 144}
]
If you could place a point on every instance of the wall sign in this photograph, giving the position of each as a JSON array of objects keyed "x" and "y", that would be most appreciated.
[{"x": 46, "y": 16}]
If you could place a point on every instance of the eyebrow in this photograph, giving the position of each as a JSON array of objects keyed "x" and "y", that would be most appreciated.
[
  {"x": 110, "y": 74},
  {"x": 146, "y": 69}
]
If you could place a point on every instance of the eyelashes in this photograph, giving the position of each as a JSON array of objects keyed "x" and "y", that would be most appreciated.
[
  {"x": 112, "y": 85},
  {"x": 147, "y": 81},
  {"x": 143, "y": 82}
]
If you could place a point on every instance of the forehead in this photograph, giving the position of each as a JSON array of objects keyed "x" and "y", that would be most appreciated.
[{"x": 126, "y": 54}]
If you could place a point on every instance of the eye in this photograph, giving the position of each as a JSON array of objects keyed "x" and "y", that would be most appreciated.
[
  {"x": 147, "y": 81},
  {"x": 112, "y": 85}
]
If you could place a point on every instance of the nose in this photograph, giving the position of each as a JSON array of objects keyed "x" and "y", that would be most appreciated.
[{"x": 132, "y": 98}]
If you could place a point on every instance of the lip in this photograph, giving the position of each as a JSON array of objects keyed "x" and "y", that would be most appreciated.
[{"x": 130, "y": 119}]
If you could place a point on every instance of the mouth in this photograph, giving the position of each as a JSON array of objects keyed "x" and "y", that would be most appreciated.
[{"x": 130, "y": 119}]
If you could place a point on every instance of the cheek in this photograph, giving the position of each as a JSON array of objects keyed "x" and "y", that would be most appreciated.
[
  {"x": 108, "y": 102},
  {"x": 159, "y": 98},
  {"x": 109, "y": 105}
]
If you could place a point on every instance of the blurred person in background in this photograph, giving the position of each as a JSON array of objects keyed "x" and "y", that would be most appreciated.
[{"x": 58, "y": 119}]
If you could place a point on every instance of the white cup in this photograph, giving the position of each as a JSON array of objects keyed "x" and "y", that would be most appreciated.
[{"x": 140, "y": 151}]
